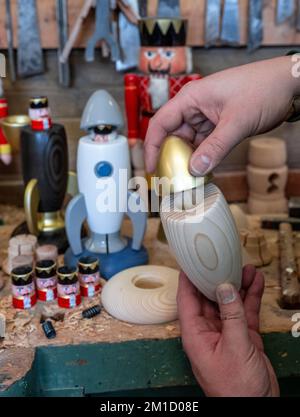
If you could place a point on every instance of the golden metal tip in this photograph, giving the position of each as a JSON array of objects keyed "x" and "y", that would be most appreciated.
[
  {"x": 173, "y": 164},
  {"x": 12, "y": 126}
]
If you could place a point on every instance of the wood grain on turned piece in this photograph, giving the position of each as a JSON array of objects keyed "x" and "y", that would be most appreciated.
[
  {"x": 267, "y": 152},
  {"x": 142, "y": 295},
  {"x": 290, "y": 287},
  {"x": 204, "y": 240},
  {"x": 267, "y": 181}
]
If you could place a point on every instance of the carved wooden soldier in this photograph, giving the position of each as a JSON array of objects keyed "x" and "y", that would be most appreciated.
[{"x": 165, "y": 64}]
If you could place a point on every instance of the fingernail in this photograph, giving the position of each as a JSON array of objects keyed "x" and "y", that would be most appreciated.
[
  {"x": 200, "y": 165},
  {"x": 226, "y": 294}
]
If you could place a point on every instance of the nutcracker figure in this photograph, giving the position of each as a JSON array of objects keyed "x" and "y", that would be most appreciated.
[
  {"x": 5, "y": 148},
  {"x": 165, "y": 63}
]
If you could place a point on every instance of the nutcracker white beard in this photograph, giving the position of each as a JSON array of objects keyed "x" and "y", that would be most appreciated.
[{"x": 159, "y": 90}]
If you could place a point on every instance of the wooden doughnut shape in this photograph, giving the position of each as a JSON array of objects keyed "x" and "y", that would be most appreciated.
[
  {"x": 142, "y": 295},
  {"x": 204, "y": 240}
]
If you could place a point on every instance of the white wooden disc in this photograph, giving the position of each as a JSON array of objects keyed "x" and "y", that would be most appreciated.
[
  {"x": 142, "y": 295},
  {"x": 205, "y": 240}
]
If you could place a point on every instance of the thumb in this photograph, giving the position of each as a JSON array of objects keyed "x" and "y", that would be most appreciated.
[
  {"x": 215, "y": 147},
  {"x": 232, "y": 314}
]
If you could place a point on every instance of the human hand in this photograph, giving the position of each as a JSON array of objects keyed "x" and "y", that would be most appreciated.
[
  {"x": 216, "y": 113},
  {"x": 223, "y": 344},
  {"x": 6, "y": 158}
]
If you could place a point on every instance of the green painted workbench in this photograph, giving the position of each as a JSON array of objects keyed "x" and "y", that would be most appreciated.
[{"x": 107, "y": 357}]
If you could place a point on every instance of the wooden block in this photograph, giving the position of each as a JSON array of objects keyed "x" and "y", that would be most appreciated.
[
  {"x": 267, "y": 181},
  {"x": 267, "y": 152},
  {"x": 260, "y": 206},
  {"x": 208, "y": 250}
]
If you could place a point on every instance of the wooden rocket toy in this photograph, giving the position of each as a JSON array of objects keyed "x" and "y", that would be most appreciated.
[
  {"x": 198, "y": 223},
  {"x": 103, "y": 171}
]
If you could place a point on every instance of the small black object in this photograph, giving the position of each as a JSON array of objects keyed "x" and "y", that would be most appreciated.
[
  {"x": 49, "y": 329},
  {"x": 91, "y": 312},
  {"x": 274, "y": 224}
]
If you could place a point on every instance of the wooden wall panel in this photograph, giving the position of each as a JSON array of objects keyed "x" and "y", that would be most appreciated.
[{"x": 194, "y": 10}]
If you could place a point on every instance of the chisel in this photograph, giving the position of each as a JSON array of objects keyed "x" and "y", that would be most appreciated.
[
  {"x": 10, "y": 44},
  {"x": 298, "y": 16},
  {"x": 168, "y": 8},
  {"x": 62, "y": 23},
  {"x": 285, "y": 10},
  {"x": 255, "y": 25},
  {"x": 30, "y": 54},
  {"x": 143, "y": 8},
  {"x": 129, "y": 38},
  {"x": 230, "y": 33},
  {"x": 212, "y": 22}
]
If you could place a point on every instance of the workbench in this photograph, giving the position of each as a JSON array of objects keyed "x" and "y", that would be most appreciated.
[{"x": 105, "y": 356}]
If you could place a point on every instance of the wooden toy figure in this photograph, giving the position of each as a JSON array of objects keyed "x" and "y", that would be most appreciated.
[
  {"x": 103, "y": 171},
  {"x": 165, "y": 64},
  {"x": 5, "y": 148},
  {"x": 45, "y": 172}
]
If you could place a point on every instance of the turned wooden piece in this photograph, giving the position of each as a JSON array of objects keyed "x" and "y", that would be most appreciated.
[
  {"x": 267, "y": 152},
  {"x": 203, "y": 238},
  {"x": 267, "y": 181},
  {"x": 262, "y": 206},
  {"x": 142, "y": 295},
  {"x": 255, "y": 244},
  {"x": 267, "y": 175},
  {"x": 290, "y": 287}
]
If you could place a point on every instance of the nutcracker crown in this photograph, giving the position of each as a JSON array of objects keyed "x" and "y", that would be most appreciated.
[{"x": 163, "y": 32}]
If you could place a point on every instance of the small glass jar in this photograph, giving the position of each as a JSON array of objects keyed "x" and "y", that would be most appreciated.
[
  {"x": 89, "y": 276},
  {"x": 46, "y": 280},
  {"x": 68, "y": 289},
  {"x": 23, "y": 288}
]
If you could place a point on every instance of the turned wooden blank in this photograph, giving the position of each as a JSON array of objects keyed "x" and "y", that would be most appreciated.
[
  {"x": 206, "y": 247},
  {"x": 263, "y": 206},
  {"x": 290, "y": 287},
  {"x": 267, "y": 181},
  {"x": 267, "y": 152}
]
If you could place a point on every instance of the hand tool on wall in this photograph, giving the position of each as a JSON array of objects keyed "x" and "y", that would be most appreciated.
[
  {"x": 143, "y": 8},
  {"x": 30, "y": 54},
  {"x": 285, "y": 10},
  {"x": 87, "y": 5},
  {"x": 255, "y": 24},
  {"x": 10, "y": 44},
  {"x": 298, "y": 16},
  {"x": 102, "y": 32},
  {"x": 212, "y": 22},
  {"x": 168, "y": 8},
  {"x": 230, "y": 33},
  {"x": 128, "y": 35},
  {"x": 62, "y": 24}
]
